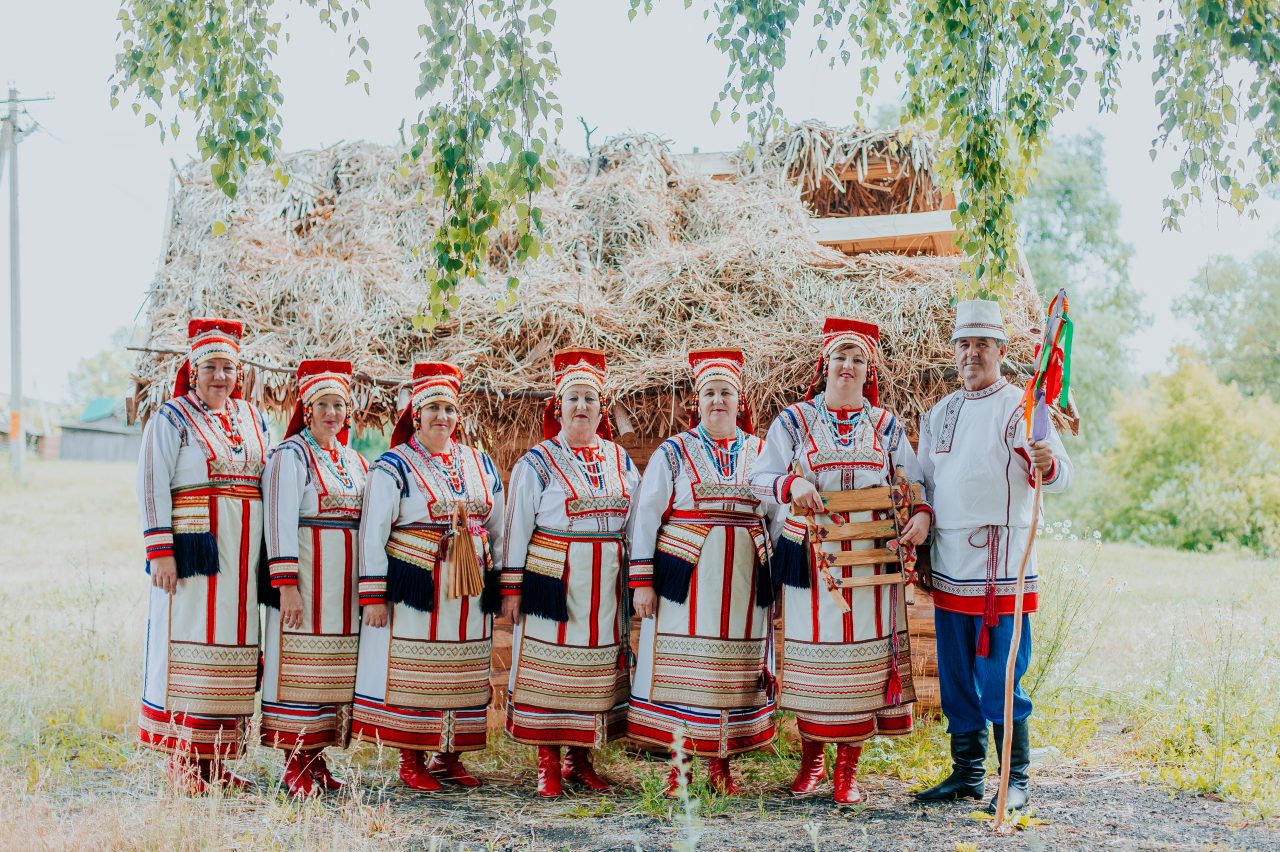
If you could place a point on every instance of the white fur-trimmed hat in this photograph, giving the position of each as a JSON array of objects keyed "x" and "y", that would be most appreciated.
[{"x": 979, "y": 318}]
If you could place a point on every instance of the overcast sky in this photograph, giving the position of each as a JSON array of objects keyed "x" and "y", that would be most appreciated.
[{"x": 93, "y": 185}]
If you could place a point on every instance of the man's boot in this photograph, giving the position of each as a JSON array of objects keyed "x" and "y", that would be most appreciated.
[
  {"x": 968, "y": 769},
  {"x": 1019, "y": 763}
]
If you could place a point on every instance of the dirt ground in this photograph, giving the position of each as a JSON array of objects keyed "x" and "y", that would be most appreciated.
[{"x": 1083, "y": 812}]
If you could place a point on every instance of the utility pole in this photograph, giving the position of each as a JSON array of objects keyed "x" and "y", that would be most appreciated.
[{"x": 17, "y": 430}]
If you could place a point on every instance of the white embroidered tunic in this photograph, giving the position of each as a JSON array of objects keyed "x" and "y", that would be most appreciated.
[{"x": 973, "y": 451}]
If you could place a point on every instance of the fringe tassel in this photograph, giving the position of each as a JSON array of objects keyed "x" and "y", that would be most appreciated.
[
  {"x": 543, "y": 596},
  {"x": 268, "y": 595},
  {"x": 196, "y": 554},
  {"x": 764, "y": 585},
  {"x": 984, "y": 642},
  {"x": 893, "y": 690},
  {"x": 410, "y": 585},
  {"x": 791, "y": 564},
  {"x": 466, "y": 577},
  {"x": 671, "y": 577},
  {"x": 491, "y": 597}
]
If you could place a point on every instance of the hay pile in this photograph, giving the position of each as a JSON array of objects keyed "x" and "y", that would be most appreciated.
[{"x": 647, "y": 262}]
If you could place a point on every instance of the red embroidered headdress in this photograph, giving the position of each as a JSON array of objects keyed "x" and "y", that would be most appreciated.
[
  {"x": 433, "y": 381},
  {"x": 316, "y": 378},
  {"x": 209, "y": 337},
  {"x": 723, "y": 365},
  {"x": 839, "y": 332},
  {"x": 577, "y": 366}
]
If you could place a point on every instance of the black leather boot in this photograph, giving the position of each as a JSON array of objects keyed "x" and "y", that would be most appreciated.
[
  {"x": 1019, "y": 763},
  {"x": 968, "y": 758}
]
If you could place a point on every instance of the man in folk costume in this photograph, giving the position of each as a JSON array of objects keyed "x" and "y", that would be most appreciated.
[
  {"x": 846, "y": 671},
  {"x": 980, "y": 471},
  {"x": 314, "y": 488},
  {"x": 699, "y": 563},
  {"x": 432, "y": 520},
  {"x": 563, "y": 580},
  {"x": 199, "y": 490}
]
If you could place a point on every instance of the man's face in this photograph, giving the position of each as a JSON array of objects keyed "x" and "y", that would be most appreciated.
[{"x": 978, "y": 360}]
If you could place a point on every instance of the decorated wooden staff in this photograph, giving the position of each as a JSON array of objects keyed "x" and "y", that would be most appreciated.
[{"x": 1049, "y": 385}]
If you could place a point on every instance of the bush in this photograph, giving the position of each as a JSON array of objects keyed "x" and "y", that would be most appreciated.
[{"x": 1195, "y": 465}]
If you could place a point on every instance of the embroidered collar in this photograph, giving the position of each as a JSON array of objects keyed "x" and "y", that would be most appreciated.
[{"x": 997, "y": 386}]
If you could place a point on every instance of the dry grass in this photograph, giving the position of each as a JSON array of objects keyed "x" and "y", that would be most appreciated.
[
  {"x": 1179, "y": 689},
  {"x": 646, "y": 262}
]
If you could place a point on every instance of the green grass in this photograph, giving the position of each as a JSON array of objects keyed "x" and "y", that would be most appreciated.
[{"x": 1148, "y": 661}]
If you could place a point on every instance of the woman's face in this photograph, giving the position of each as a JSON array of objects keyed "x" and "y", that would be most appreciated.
[
  {"x": 580, "y": 410},
  {"x": 436, "y": 423},
  {"x": 718, "y": 408},
  {"x": 328, "y": 416},
  {"x": 847, "y": 372},
  {"x": 216, "y": 381}
]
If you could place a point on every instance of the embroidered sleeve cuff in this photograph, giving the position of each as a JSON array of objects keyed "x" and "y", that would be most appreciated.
[
  {"x": 512, "y": 580},
  {"x": 283, "y": 571},
  {"x": 1052, "y": 474},
  {"x": 923, "y": 507},
  {"x": 373, "y": 591},
  {"x": 640, "y": 575},
  {"x": 782, "y": 488},
  {"x": 159, "y": 542}
]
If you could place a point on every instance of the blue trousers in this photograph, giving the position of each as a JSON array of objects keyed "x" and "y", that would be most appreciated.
[{"x": 973, "y": 686}]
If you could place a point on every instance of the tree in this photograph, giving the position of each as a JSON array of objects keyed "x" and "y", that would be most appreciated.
[
  {"x": 1070, "y": 229},
  {"x": 1235, "y": 307},
  {"x": 106, "y": 374},
  {"x": 989, "y": 76},
  {"x": 1195, "y": 464}
]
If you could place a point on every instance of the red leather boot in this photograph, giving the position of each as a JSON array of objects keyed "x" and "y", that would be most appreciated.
[
  {"x": 673, "y": 782},
  {"x": 447, "y": 766},
  {"x": 549, "y": 771},
  {"x": 577, "y": 769},
  {"x": 297, "y": 778},
  {"x": 720, "y": 777},
  {"x": 813, "y": 768},
  {"x": 320, "y": 772},
  {"x": 846, "y": 774},
  {"x": 414, "y": 774}
]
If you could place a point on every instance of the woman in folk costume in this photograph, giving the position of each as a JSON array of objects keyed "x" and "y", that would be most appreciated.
[
  {"x": 432, "y": 519},
  {"x": 199, "y": 488},
  {"x": 563, "y": 580},
  {"x": 847, "y": 675},
  {"x": 314, "y": 486},
  {"x": 699, "y": 543}
]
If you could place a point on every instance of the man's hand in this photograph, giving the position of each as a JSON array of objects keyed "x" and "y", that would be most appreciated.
[
  {"x": 1042, "y": 456},
  {"x": 645, "y": 601},
  {"x": 290, "y": 607},
  {"x": 375, "y": 615},
  {"x": 164, "y": 574}
]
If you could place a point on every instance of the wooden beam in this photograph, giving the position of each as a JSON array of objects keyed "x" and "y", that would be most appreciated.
[
  {"x": 875, "y": 556},
  {"x": 863, "y": 499},
  {"x": 719, "y": 165},
  {"x": 922, "y": 233},
  {"x": 877, "y": 580},
  {"x": 857, "y": 531}
]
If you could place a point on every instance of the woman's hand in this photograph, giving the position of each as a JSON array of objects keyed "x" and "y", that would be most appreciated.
[
  {"x": 645, "y": 601},
  {"x": 805, "y": 499},
  {"x": 375, "y": 615},
  {"x": 917, "y": 529},
  {"x": 290, "y": 607},
  {"x": 164, "y": 574},
  {"x": 511, "y": 608}
]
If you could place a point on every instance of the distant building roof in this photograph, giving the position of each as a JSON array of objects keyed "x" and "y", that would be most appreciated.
[{"x": 102, "y": 408}]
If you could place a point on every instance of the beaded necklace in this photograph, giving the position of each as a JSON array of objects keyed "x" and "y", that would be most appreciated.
[
  {"x": 725, "y": 458},
  {"x": 228, "y": 424},
  {"x": 445, "y": 465},
  {"x": 331, "y": 458},
  {"x": 842, "y": 428}
]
